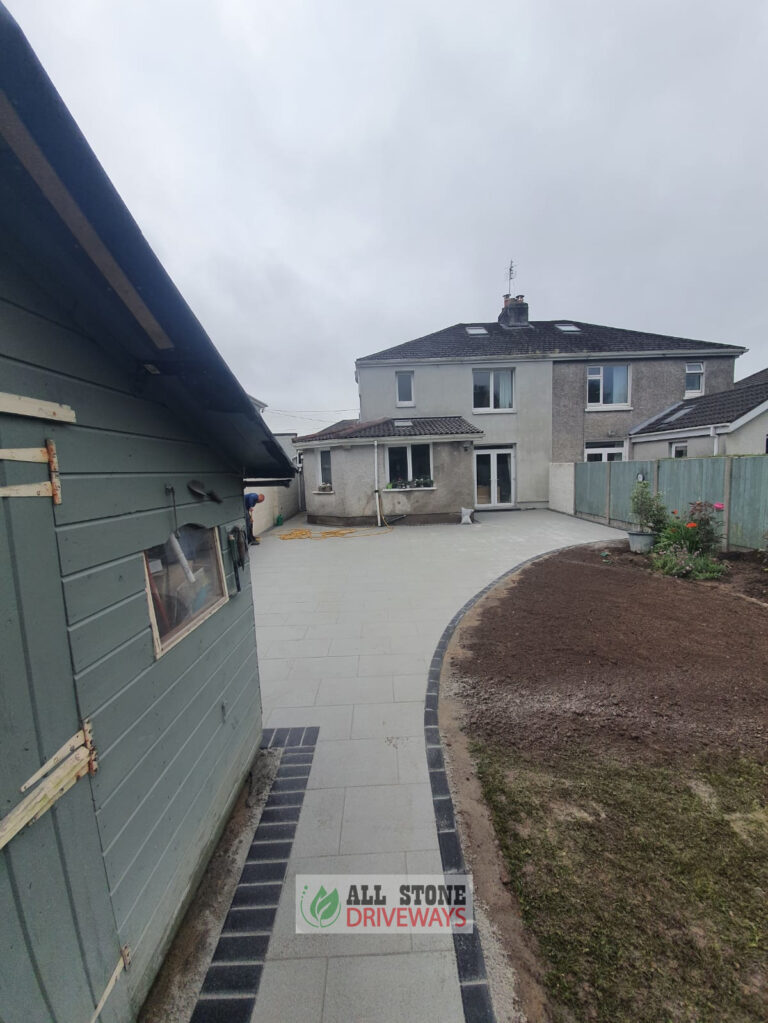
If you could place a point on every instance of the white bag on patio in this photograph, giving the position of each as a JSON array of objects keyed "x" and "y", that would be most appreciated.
[{"x": 466, "y": 516}]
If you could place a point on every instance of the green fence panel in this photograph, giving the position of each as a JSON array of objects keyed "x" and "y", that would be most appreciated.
[
  {"x": 591, "y": 483},
  {"x": 683, "y": 480},
  {"x": 749, "y": 501},
  {"x": 623, "y": 478}
]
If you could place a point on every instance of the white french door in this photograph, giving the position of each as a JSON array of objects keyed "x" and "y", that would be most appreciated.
[{"x": 495, "y": 478}]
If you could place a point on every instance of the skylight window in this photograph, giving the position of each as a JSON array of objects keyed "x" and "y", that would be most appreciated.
[
  {"x": 568, "y": 328},
  {"x": 476, "y": 331},
  {"x": 402, "y": 423},
  {"x": 675, "y": 415}
]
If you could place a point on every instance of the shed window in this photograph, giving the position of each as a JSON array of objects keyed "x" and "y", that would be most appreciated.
[{"x": 185, "y": 583}]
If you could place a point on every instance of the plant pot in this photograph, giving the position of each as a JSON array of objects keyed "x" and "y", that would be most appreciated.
[{"x": 641, "y": 543}]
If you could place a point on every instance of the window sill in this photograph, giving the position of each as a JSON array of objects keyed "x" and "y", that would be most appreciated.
[
  {"x": 492, "y": 411},
  {"x": 323, "y": 493},
  {"x": 608, "y": 408},
  {"x": 406, "y": 490},
  {"x": 692, "y": 394},
  {"x": 405, "y": 404}
]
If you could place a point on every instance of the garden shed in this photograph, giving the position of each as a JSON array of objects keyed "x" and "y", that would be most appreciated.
[{"x": 130, "y": 695}]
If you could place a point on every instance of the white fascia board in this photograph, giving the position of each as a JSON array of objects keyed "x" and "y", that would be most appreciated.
[
  {"x": 426, "y": 438},
  {"x": 696, "y": 431}
]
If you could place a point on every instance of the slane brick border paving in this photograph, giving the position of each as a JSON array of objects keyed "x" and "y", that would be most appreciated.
[
  {"x": 473, "y": 979},
  {"x": 228, "y": 993}
]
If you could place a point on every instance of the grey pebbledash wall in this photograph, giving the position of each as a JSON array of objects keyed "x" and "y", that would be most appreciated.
[
  {"x": 655, "y": 384},
  {"x": 175, "y": 735}
]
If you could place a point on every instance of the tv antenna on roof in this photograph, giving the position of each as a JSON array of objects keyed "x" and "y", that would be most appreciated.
[{"x": 511, "y": 274}]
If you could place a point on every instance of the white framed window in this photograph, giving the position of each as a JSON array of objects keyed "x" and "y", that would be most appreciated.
[
  {"x": 410, "y": 465},
  {"x": 185, "y": 583},
  {"x": 326, "y": 477},
  {"x": 604, "y": 451},
  {"x": 694, "y": 379},
  {"x": 404, "y": 387},
  {"x": 607, "y": 385},
  {"x": 493, "y": 390},
  {"x": 678, "y": 450}
]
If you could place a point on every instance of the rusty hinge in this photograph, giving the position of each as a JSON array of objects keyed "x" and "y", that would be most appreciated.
[
  {"x": 73, "y": 761},
  {"x": 48, "y": 454},
  {"x": 122, "y": 964}
]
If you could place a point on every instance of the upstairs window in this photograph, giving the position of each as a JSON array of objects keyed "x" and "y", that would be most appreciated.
[
  {"x": 325, "y": 468},
  {"x": 492, "y": 389},
  {"x": 404, "y": 387},
  {"x": 608, "y": 385},
  {"x": 694, "y": 379},
  {"x": 185, "y": 583}
]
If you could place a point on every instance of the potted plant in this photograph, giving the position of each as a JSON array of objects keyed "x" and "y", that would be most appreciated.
[{"x": 651, "y": 516}]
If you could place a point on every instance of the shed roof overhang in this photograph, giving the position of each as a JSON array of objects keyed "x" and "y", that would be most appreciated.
[{"x": 60, "y": 213}]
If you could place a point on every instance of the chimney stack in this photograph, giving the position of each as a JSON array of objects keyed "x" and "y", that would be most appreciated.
[{"x": 514, "y": 313}]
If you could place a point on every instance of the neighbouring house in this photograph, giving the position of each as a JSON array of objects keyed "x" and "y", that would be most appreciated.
[
  {"x": 532, "y": 392},
  {"x": 731, "y": 422},
  {"x": 360, "y": 473},
  {"x": 131, "y": 707},
  {"x": 282, "y": 498}
]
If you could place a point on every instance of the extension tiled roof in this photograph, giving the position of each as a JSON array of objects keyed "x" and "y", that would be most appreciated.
[
  {"x": 760, "y": 377},
  {"x": 708, "y": 410},
  {"x": 352, "y": 429},
  {"x": 539, "y": 337}
]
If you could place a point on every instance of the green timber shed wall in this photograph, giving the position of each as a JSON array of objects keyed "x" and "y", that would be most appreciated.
[{"x": 175, "y": 735}]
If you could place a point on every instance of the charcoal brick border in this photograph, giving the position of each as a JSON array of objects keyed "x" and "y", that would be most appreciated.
[
  {"x": 228, "y": 994},
  {"x": 473, "y": 979}
]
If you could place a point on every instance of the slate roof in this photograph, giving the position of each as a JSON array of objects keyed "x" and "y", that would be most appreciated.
[
  {"x": 708, "y": 410},
  {"x": 352, "y": 429},
  {"x": 540, "y": 337},
  {"x": 755, "y": 378}
]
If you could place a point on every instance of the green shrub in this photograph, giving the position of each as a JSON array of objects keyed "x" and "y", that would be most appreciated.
[
  {"x": 678, "y": 560},
  {"x": 700, "y": 533},
  {"x": 648, "y": 509}
]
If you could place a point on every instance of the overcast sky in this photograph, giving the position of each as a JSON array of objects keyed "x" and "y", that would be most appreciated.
[{"x": 327, "y": 178}]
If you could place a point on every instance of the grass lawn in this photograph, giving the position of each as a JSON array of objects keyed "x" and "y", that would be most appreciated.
[{"x": 645, "y": 886}]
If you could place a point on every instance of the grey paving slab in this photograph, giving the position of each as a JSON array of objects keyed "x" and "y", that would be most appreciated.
[
  {"x": 292, "y": 991},
  {"x": 371, "y": 689},
  {"x": 368, "y": 761},
  {"x": 388, "y": 719},
  {"x": 421, "y": 986},
  {"x": 346, "y": 629},
  {"x": 388, "y": 818}
]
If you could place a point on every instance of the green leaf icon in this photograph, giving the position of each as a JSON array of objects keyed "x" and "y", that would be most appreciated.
[{"x": 325, "y": 905}]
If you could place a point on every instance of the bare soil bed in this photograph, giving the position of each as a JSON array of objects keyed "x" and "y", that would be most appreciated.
[
  {"x": 607, "y": 739},
  {"x": 589, "y": 647}
]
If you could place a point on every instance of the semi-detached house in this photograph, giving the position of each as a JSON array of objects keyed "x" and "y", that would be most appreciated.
[{"x": 520, "y": 394}]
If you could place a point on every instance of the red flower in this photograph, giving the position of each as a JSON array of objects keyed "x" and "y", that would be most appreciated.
[
  {"x": 674, "y": 511},
  {"x": 690, "y": 525}
]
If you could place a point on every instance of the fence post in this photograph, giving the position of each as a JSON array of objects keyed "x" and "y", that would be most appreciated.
[
  {"x": 727, "y": 502},
  {"x": 608, "y": 494},
  {"x": 656, "y": 476}
]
